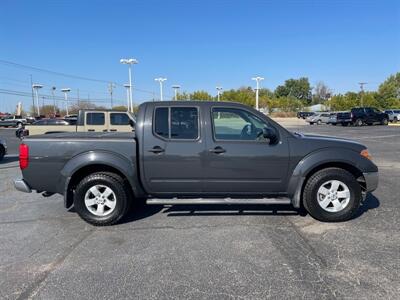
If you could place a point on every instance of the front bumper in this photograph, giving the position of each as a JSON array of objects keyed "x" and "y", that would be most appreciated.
[
  {"x": 371, "y": 181},
  {"x": 22, "y": 186}
]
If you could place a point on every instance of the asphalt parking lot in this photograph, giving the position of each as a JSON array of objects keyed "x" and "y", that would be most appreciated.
[{"x": 223, "y": 252}]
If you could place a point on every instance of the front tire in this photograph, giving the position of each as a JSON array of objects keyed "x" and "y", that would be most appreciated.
[
  {"x": 332, "y": 195},
  {"x": 101, "y": 199}
]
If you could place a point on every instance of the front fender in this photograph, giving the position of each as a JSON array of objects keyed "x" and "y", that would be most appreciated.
[{"x": 322, "y": 157}]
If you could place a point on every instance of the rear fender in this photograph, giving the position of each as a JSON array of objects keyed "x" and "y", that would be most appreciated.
[{"x": 116, "y": 161}]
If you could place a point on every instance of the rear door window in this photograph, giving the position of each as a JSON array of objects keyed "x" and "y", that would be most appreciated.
[
  {"x": 95, "y": 119},
  {"x": 177, "y": 123}
]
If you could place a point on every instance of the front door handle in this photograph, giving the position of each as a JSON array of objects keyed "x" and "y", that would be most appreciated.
[
  {"x": 157, "y": 150},
  {"x": 218, "y": 150}
]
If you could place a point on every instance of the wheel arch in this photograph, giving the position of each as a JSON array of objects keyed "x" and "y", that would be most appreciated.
[
  {"x": 347, "y": 159},
  {"x": 88, "y": 163}
]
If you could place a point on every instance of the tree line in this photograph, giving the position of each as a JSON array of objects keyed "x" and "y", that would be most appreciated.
[{"x": 297, "y": 94}]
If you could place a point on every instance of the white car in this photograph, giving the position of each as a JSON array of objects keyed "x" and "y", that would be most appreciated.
[
  {"x": 394, "y": 115},
  {"x": 318, "y": 118}
]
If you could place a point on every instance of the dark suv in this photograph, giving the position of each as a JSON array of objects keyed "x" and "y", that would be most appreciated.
[{"x": 363, "y": 115}]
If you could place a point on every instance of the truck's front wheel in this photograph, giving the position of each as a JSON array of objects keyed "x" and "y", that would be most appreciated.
[
  {"x": 101, "y": 199},
  {"x": 332, "y": 195}
]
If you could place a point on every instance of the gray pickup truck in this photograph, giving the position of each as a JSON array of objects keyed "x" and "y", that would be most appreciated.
[{"x": 195, "y": 152}]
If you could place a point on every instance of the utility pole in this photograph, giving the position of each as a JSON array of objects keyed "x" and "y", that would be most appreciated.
[
  {"x": 54, "y": 100},
  {"x": 33, "y": 97},
  {"x": 77, "y": 92},
  {"x": 257, "y": 80},
  {"x": 111, "y": 87},
  {"x": 362, "y": 92}
]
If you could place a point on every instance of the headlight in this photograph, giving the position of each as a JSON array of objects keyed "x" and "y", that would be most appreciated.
[{"x": 366, "y": 154}]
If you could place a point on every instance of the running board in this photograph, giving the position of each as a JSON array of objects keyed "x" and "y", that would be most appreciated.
[{"x": 188, "y": 201}]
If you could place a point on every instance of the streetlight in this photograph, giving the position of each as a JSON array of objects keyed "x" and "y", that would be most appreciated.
[
  {"x": 176, "y": 88},
  {"x": 161, "y": 80},
  {"x": 219, "y": 89},
  {"x": 129, "y": 62},
  {"x": 128, "y": 87},
  {"x": 54, "y": 100},
  {"x": 66, "y": 91},
  {"x": 257, "y": 79},
  {"x": 36, "y": 87}
]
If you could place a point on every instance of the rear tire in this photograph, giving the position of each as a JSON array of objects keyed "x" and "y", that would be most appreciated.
[
  {"x": 92, "y": 203},
  {"x": 385, "y": 121},
  {"x": 2, "y": 152},
  {"x": 395, "y": 120},
  {"x": 319, "y": 122},
  {"x": 358, "y": 122},
  {"x": 345, "y": 124},
  {"x": 325, "y": 203}
]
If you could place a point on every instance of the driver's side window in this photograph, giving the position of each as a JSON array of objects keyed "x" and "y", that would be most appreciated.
[{"x": 237, "y": 124}]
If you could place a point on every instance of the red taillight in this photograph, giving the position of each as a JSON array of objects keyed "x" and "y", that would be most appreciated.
[{"x": 23, "y": 156}]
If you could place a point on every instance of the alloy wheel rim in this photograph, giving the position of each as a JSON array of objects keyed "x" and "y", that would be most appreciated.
[
  {"x": 100, "y": 200},
  {"x": 333, "y": 196}
]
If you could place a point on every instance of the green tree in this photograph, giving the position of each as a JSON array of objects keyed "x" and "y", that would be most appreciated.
[
  {"x": 297, "y": 88},
  {"x": 201, "y": 95}
]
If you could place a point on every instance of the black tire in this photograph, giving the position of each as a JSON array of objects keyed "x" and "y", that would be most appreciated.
[
  {"x": 319, "y": 122},
  {"x": 334, "y": 124},
  {"x": 319, "y": 178},
  {"x": 358, "y": 122},
  {"x": 112, "y": 181},
  {"x": 311, "y": 123},
  {"x": 395, "y": 120},
  {"x": 2, "y": 152},
  {"x": 345, "y": 124},
  {"x": 384, "y": 121}
]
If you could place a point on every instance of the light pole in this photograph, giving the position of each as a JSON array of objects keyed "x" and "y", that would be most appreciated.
[
  {"x": 176, "y": 88},
  {"x": 128, "y": 87},
  {"x": 129, "y": 62},
  {"x": 257, "y": 79},
  {"x": 36, "y": 87},
  {"x": 362, "y": 92},
  {"x": 161, "y": 80},
  {"x": 219, "y": 89},
  {"x": 66, "y": 91},
  {"x": 54, "y": 99}
]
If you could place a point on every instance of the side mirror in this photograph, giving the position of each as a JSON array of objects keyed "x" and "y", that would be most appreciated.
[
  {"x": 132, "y": 123},
  {"x": 271, "y": 134}
]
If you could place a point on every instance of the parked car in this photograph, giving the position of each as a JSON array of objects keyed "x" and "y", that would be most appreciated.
[
  {"x": 3, "y": 149},
  {"x": 304, "y": 114},
  {"x": 332, "y": 118},
  {"x": 394, "y": 115},
  {"x": 88, "y": 120},
  {"x": 13, "y": 121},
  {"x": 318, "y": 118},
  {"x": 197, "y": 152},
  {"x": 363, "y": 115}
]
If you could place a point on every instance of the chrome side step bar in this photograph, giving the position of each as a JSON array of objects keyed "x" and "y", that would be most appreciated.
[{"x": 188, "y": 201}]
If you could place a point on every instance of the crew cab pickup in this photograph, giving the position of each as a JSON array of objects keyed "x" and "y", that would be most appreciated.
[
  {"x": 359, "y": 116},
  {"x": 87, "y": 120},
  {"x": 196, "y": 152}
]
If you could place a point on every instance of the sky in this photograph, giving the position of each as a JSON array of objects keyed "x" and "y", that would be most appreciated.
[{"x": 196, "y": 44}]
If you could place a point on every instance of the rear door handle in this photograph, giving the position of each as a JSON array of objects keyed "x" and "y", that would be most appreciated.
[
  {"x": 90, "y": 129},
  {"x": 113, "y": 129},
  {"x": 157, "y": 150},
  {"x": 217, "y": 150}
]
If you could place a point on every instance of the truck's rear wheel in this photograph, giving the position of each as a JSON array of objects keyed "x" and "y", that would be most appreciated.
[
  {"x": 384, "y": 121},
  {"x": 101, "y": 199},
  {"x": 2, "y": 152},
  {"x": 332, "y": 195}
]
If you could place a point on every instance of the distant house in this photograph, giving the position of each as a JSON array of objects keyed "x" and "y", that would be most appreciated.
[{"x": 317, "y": 107}]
